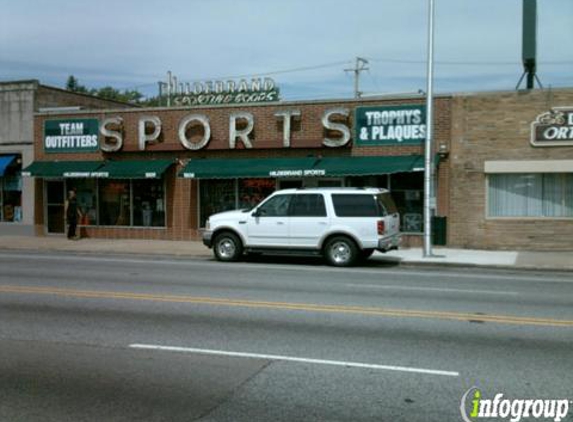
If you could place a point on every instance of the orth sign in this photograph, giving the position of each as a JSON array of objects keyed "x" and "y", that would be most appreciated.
[
  {"x": 553, "y": 128},
  {"x": 73, "y": 135},
  {"x": 392, "y": 125}
]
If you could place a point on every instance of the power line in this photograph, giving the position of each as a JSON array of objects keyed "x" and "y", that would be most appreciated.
[
  {"x": 277, "y": 72},
  {"x": 464, "y": 63},
  {"x": 259, "y": 74}
]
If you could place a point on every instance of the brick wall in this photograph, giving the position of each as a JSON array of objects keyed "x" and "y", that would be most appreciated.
[{"x": 496, "y": 126}]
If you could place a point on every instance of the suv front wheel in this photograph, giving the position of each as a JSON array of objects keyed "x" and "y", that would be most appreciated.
[
  {"x": 341, "y": 251},
  {"x": 227, "y": 247}
]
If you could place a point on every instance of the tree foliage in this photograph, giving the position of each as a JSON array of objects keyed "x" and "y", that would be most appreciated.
[{"x": 109, "y": 93}]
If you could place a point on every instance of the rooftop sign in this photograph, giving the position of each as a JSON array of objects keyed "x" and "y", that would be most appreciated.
[{"x": 218, "y": 92}]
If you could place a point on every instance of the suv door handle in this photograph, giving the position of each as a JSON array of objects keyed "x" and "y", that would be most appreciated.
[
  {"x": 280, "y": 223},
  {"x": 322, "y": 223}
]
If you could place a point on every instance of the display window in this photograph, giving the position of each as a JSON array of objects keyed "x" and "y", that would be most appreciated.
[
  {"x": 120, "y": 202},
  {"x": 148, "y": 203},
  {"x": 216, "y": 196},
  {"x": 408, "y": 193},
  {"x": 407, "y": 190},
  {"x": 114, "y": 203},
  {"x": 228, "y": 194},
  {"x": 11, "y": 191},
  {"x": 253, "y": 191},
  {"x": 86, "y": 194}
]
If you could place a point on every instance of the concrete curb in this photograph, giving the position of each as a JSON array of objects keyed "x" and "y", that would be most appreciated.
[{"x": 382, "y": 260}]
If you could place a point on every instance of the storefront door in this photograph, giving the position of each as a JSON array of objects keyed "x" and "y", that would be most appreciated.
[{"x": 55, "y": 204}]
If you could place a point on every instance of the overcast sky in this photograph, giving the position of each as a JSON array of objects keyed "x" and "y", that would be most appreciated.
[{"x": 132, "y": 43}]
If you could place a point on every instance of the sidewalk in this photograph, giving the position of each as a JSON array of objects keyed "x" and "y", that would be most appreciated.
[{"x": 560, "y": 261}]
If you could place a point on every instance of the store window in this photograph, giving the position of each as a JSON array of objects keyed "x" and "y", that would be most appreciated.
[
  {"x": 11, "y": 189},
  {"x": 148, "y": 203},
  {"x": 253, "y": 191},
  {"x": 114, "y": 203},
  {"x": 540, "y": 195},
  {"x": 407, "y": 190},
  {"x": 216, "y": 196},
  {"x": 86, "y": 194},
  {"x": 225, "y": 195},
  {"x": 136, "y": 203}
]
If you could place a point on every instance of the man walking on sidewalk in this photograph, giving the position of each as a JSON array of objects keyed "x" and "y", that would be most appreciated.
[{"x": 72, "y": 215}]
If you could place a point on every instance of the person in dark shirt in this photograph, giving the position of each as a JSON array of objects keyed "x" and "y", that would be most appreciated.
[{"x": 72, "y": 215}]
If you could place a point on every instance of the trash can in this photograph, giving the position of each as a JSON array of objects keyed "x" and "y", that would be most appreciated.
[{"x": 439, "y": 233}]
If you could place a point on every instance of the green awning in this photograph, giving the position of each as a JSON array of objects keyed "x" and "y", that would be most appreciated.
[
  {"x": 62, "y": 168},
  {"x": 300, "y": 167},
  {"x": 133, "y": 169},
  {"x": 144, "y": 169}
]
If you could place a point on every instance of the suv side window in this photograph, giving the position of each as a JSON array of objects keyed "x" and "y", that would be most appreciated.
[
  {"x": 386, "y": 203},
  {"x": 346, "y": 205},
  {"x": 277, "y": 206},
  {"x": 308, "y": 205}
]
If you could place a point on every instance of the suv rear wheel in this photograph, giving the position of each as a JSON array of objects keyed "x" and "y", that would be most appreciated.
[
  {"x": 227, "y": 247},
  {"x": 340, "y": 251}
]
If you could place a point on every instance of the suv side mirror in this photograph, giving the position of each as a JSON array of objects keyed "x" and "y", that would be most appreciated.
[{"x": 256, "y": 213}]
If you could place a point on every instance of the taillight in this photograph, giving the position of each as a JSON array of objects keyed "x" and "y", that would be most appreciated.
[{"x": 381, "y": 227}]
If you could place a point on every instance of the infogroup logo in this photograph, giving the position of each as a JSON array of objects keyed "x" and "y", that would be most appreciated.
[{"x": 514, "y": 410}]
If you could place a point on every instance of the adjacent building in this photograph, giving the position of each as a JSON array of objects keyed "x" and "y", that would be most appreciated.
[
  {"x": 19, "y": 100},
  {"x": 511, "y": 170}
]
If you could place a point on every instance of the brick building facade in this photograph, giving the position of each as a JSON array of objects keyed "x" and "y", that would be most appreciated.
[
  {"x": 187, "y": 201},
  {"x": 491, "y": 138},
  {"x": 166, "y": 173}
]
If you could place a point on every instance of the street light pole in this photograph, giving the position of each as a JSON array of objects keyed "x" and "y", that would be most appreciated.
[{"x": 428, "y": 188}]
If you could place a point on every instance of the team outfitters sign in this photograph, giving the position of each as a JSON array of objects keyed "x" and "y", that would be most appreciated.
[
  {"x": 394, "y": 125},
  {"x": 553, "y": 128},
  {"x": 74, "y": 135}
]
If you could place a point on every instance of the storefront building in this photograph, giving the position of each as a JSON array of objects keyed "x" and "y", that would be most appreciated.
[
  {"x": 503, "y": 164},
  {"x": 511, "y": 169},
  {"x": 18, "y": 102},
  {"x": 159, "y": 173}
]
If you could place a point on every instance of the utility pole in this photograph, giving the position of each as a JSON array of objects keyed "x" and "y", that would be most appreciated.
[
  {"x": 360, "y": 66},
  {"x": 429, "y": 200}
]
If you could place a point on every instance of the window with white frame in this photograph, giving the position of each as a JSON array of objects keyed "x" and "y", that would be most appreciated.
[{"x": 541, "y": 195}]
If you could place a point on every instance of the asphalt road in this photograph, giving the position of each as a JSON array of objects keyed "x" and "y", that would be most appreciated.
[{"x": 111, "y": 338}]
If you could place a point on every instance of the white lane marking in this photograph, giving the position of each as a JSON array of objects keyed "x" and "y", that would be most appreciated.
[
  {"x": 294, "y": 359},
  {"x": 204, "y": 261},
  {"x": 433, "y": 289}
]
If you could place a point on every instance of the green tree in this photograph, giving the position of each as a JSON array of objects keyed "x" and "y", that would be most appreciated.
[
  {"x": 73, "y": 84},
  {"x": 108, "y": 92}
]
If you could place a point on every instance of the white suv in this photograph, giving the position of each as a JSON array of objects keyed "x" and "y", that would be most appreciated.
[{"x": 341, "y": 224}]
